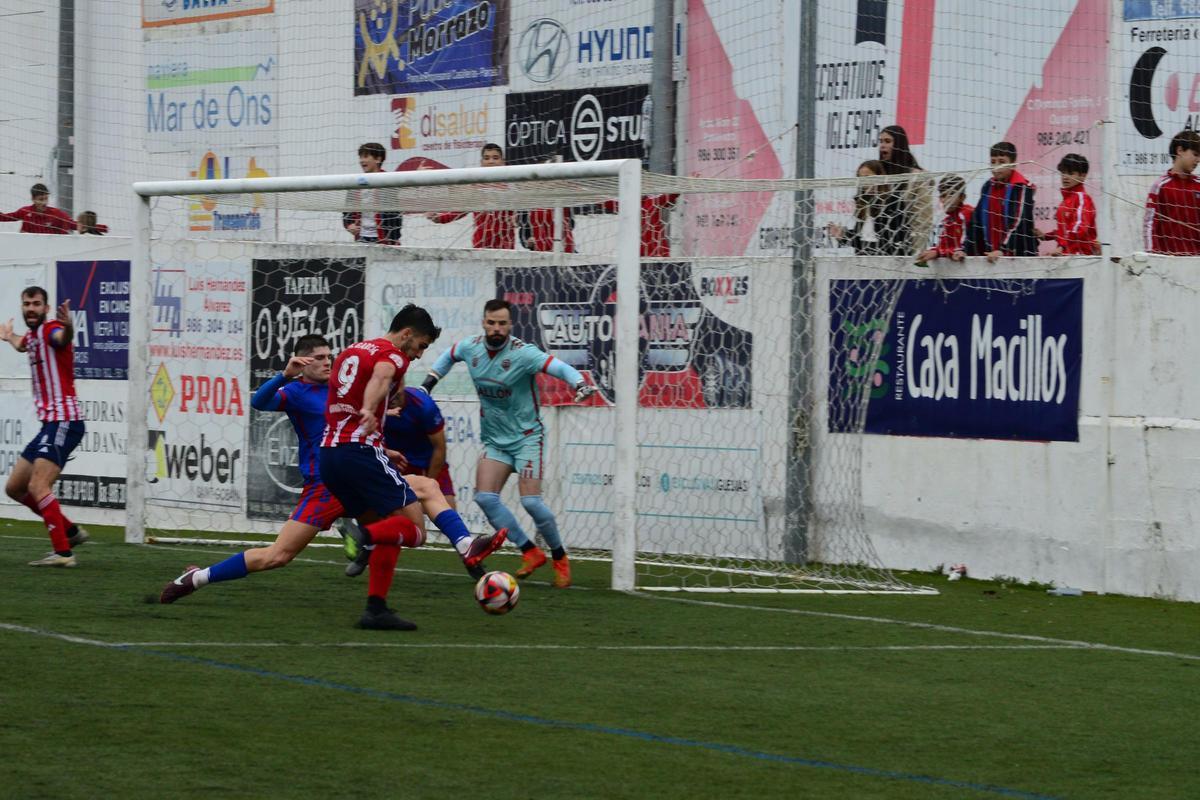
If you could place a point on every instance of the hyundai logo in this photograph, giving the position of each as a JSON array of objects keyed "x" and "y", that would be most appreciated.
[
  {"x": 587, "y": 129},
  {"x": 544, "y": 50}
]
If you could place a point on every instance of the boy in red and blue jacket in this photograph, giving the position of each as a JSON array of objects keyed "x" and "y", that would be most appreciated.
[{"x": 1002, "y": 224}]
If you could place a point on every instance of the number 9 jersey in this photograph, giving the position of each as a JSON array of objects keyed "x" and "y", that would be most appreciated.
[{"x": 348, "y": 379}]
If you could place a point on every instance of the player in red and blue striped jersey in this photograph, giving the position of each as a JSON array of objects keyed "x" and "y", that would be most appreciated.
[
  {"x": 49, "y": 345},
  {"x": 353, "y": 465},
  {"x": 300, "y": 391}
]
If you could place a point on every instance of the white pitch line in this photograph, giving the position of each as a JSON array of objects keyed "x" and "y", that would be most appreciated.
[
  {"x": 492, "y": 646},
  {"x": 929, "y": 626}
]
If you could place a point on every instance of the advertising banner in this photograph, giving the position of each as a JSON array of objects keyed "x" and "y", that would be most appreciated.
[
  {"x": 449, "y": 127},
  {"x": 290, "y": 299},
  {"x": 211, "y": 91},
  {"x": 689, "y": 356},
  {"x": 578, "y": 124},
  {"x": 158, "y": 13},
  {"x": 1002, "y": 361},
  {"x": 417, "y": 46},
  {"x": 581, "y": 45},
  {"x": 1160, "y": 45},
  {"x": 99, "y": 295},
  {"x": 215, "y": 221},
  {"x": 452, "y": 292},
  {"x": 198, "y": 396}
]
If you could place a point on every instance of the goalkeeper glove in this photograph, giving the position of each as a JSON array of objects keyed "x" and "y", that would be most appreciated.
[{"x": 583, "y": 391}]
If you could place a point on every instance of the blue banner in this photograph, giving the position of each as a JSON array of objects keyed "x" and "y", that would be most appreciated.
[
  {"x": 1161, "y": 9},
  {"x": 99, "y": 295},
  {"x": 410, "y": 46},
  {"x": 987, "y": 358}
]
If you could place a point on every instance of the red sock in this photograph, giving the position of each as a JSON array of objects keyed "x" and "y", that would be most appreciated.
[
  {"x": 56, "y": 523},
  {"x": 396, "y": 530},
  {"x": 383, "y": 567},
  {"x": 31, "y": 504}
]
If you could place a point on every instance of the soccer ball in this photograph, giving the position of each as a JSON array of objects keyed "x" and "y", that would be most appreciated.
[{"x": 497, "y": 592}]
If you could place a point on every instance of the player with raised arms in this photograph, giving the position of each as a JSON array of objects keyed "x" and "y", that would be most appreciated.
[
  {"x": 505, "y": 370},
  {"x": 354, "y": 467},
  {"x": 50, "y": 347}
]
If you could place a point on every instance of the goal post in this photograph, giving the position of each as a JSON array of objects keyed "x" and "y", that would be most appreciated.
[{"x": 723, "y": 450}]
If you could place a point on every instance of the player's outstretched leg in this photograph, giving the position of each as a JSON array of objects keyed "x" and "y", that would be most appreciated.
[
  {"x": 547, "y": 526},
  {"x": 472, "y": 549},
  {"x": 388, "y": 536},
  {"x": 293, "y": 537}
]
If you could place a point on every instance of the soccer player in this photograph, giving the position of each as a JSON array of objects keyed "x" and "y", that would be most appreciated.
[
  {"x": 359, "y": 474},
  {"x": 504, "y": 370},
  {"x": 414, "y": 439},
  {"x": 299, "y": 391},
  {"x": 50, "y": 346}
]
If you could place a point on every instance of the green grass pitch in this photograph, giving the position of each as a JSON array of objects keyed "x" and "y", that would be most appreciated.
[{"x": 262, "y": 688}]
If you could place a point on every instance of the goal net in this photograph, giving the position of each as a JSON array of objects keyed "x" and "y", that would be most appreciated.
[{"x": 722, "y": 450}]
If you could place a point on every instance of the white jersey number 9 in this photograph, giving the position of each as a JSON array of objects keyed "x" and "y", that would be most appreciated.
[{"x": 347, "y": 372}]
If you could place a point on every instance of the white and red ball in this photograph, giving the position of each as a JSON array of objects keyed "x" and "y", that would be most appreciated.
[{"x": 497, "y": 592}]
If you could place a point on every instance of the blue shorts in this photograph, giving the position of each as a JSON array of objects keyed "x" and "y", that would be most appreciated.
[
  {"x": 525, "y": 456},
  {"x": 55, "y": 442},
  {"x": 363, "y": 479},
  {"x": 318, "y": 507}
]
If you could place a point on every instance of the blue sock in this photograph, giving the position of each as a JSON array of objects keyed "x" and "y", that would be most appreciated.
[
  {"x": 543, "y": 517},
  {"x": 230, "y": 569},
  {"x": 500, "y": 517},
  {"x": 451, "y": 524}
]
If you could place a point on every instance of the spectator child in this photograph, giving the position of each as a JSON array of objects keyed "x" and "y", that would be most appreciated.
[
  {"x": 382, "y": 227},
  {"x": 88, "y": 225},
  {"x": 492, "y": 229},
  {"x": 1172, "y": 224},
  {"x": 1002, "y": 223},
  {"x": 1076, "y": 216},
  {"x": 40, "y": 216},
  {"x": 953, "y": 191}
]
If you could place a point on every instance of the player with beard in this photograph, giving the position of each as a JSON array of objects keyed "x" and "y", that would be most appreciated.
[
  {"x": 505, "y": 370},
  {"x": 49, "y": 345}
]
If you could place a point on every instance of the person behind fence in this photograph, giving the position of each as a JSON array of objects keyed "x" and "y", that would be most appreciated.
[
  {"x": 39, "y": 216},
  {"x": 952, "y": 190},
  {"x": 88, "y": 225},
  {"x": 494, "y": 230},
  {"x": 878, "y": 224},
  {"x": 914, "y": 197},
  {"x": 380, "y": 227},
  {"x": 1002, "y": 223},
  {"x": 1172, "y": 222},
  {"x": 1075, "y": 230}
]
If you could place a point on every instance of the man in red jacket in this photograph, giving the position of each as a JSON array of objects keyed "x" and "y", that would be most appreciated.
[
  {"x": 493, "y": 229},
  {"x": 1076, "y": 215},
  {"x": 1172, "y": 224},
  {"x": 40, "y": 217}
]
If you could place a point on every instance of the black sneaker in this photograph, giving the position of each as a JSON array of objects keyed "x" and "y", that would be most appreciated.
[{"x": 385, "y": 620}]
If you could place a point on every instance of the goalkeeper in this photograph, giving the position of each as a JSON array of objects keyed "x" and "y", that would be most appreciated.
[{"x": 504, "y": 371}]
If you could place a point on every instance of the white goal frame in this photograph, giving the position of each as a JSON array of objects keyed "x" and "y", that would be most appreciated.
[{"x": 626, "y": 256}]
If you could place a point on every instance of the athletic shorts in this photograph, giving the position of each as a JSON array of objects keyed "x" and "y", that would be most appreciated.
[
  {"x": 55, "y": 442},
  {"x": 525, "y": 457},
  {"x": 445, "y": 482},
  {"x": 318, "y": 507},
  {"x": 363, "y": 479}
]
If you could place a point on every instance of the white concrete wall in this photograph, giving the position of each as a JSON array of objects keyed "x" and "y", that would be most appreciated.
[{"x": 1115, "y": 511}]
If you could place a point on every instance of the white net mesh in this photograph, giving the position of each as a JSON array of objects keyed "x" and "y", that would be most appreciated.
[{"x": 748, "y": 465}]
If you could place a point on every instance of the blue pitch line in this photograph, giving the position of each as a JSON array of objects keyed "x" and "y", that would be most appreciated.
[{"x": 587, "y": 727}]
